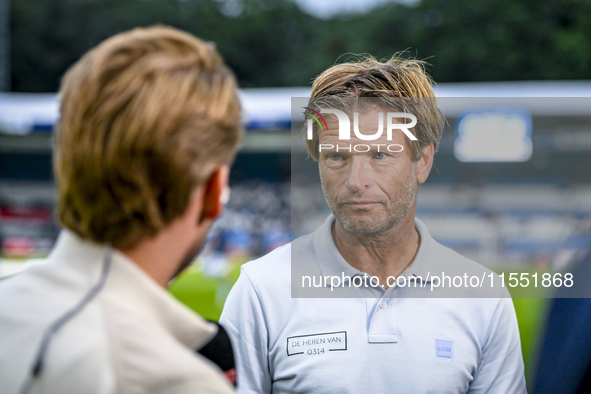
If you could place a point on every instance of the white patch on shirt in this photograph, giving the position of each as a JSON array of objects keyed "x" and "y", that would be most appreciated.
[
  {"x": 316, "y": 344},
  {"x": 444, "y": 349}
]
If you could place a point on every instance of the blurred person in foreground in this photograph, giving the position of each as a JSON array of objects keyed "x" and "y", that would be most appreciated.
[
  {"x": 377, "y": 341},
  {"x": 149, "y": 122}
]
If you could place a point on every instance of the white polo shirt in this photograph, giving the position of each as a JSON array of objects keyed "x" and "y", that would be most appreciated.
[
  {"x": 367, "y": 344},
  {"x": 132, "y": 338}
]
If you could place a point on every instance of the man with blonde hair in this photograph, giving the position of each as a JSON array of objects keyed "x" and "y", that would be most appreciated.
[
  {"x": 149, "y": 123},
  {"x": 329, "y": 312}
]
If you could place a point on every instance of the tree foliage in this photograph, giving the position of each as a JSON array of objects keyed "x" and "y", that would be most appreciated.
[{"x": 274, "y": 43}]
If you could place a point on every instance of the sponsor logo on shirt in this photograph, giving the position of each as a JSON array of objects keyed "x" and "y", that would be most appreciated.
[{"x": 444, "y": 349}]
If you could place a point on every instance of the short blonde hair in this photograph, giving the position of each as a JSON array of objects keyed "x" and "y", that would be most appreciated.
[
  {"x": 145, "y": 118},
  {"x": 391, "y": 80}
]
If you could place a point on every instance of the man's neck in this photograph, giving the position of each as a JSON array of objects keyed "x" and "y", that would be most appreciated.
[
  {"x": 154, "y": 258},
  {"x": 385, "y": 254},
  {"x": 162, "y": 255}
]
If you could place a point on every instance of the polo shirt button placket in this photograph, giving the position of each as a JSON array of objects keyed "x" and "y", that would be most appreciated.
[{"x": 383, "y": 304}]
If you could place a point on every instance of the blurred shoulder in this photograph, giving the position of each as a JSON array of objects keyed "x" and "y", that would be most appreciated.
[{"x": 478, "y": 282}]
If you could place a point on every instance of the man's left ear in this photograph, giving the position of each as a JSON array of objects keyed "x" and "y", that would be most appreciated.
[
  {"x": 425, "y": 163},
  {"x": 214, "y": 193}
]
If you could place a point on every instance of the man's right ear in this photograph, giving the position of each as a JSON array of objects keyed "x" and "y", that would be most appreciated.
[{"x": 216, "y": 193}]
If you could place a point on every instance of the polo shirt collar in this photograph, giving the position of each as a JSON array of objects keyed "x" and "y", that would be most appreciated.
[
  {"x": 132, "y": 285},
  {"x": 330, "y": 260},
  {"x": 423, "y": 264}
]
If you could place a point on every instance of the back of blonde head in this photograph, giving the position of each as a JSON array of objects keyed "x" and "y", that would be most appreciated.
[{"x": 145, "y": 118}]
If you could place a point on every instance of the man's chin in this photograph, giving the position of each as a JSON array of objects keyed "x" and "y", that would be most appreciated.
[
  {"x": 362, "y": 228},
  {"x": 359, "y": 224}
]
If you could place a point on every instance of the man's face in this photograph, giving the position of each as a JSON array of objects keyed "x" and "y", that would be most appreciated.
[{"x": 368, "y": 192}]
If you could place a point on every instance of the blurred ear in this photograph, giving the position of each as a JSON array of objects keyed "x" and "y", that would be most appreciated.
[
  {"x": 213, "y": 204},
  {"x": 425, "y": 163}
]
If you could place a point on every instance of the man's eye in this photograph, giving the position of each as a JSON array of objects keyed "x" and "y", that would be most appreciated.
[
  {"x": 335, "y": 156},
  {"x": 379, "y": 156}
]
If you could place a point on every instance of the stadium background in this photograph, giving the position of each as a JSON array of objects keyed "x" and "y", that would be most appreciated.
[{"x": 529, "y": 216}]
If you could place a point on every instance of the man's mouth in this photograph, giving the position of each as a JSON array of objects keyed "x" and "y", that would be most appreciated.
[{"x": 360, "y": 204}]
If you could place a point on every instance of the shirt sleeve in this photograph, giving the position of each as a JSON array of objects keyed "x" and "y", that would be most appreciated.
[
  {"x": 501, "y": 367},
  {"x": 244, "y": 319}
]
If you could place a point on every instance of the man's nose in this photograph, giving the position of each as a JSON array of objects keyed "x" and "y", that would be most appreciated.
[{"x": 358, "y": 174}]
